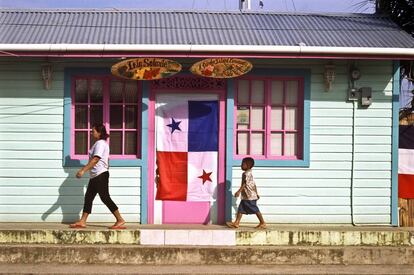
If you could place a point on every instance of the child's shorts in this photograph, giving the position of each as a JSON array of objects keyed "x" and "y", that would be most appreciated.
[{"x": 248, "y": 207}]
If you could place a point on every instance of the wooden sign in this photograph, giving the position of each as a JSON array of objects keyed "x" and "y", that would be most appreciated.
[
  {"x": 145, "y": 68},
  {"x": 223, "y": 67}
]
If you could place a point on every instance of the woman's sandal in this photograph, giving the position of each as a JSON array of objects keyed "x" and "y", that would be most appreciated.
[
  {"x": 77, "y": 225},
  {"x": 118, "y": 226}
]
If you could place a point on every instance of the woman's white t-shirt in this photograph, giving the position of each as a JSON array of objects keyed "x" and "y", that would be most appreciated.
[{"x": 99, "y": 149}]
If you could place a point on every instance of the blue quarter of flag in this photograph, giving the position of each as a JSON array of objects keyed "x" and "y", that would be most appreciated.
[{"x": 202, "y": 126}]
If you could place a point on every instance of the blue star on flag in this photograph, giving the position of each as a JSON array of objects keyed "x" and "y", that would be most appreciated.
[{"x": 174, "y": 125}]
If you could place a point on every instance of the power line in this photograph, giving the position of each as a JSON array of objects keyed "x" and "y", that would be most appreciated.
[{"x": 294, "y": 7}]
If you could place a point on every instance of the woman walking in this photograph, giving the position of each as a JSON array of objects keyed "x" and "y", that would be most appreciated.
[{"x": 99, "y": 179}]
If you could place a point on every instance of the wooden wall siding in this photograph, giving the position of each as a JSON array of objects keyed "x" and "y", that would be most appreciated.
[
  {"x": 34, "y": 186},
  {"x": 321, "y": 193},
  {"x": 32, "y": 177}
]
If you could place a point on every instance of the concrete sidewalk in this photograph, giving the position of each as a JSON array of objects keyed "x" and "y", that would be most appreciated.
[
  {"x": 209, "y": 235},
  {"x": 54, "y": 243}
]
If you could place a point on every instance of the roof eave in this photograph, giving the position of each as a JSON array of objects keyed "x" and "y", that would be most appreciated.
[{"x": 109, "y": 50}]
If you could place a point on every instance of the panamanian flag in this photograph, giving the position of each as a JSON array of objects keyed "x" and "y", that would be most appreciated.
[
  {"x": 406, "y": 162},
  {"x": 187, "y": 147}
]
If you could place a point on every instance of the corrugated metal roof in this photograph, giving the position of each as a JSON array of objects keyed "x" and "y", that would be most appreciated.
[{"x": 199, "y": 28}]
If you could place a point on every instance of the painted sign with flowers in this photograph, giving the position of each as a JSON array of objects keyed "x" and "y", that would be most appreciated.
[
  {"x": 146, "y": 68},
  {"x": 223, "y": 67}
]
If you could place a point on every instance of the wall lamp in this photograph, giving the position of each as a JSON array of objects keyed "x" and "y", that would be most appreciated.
[{"x": 46, "y": 70}]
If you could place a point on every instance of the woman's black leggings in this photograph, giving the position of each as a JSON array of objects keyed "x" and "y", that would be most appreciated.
[{"x": 99, "y": 185}]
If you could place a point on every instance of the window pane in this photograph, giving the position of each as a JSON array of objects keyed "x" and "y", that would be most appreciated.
[
  {"x": 116, "y": 91},
  {"x": 277, "y": 92},
  {"x": 96, "y": 114},
  {"x": 243, "y": 92},
  {"x": 81, "y": 143},
  {"x": 290, "y": 118},
  {"x": 96, "y": 90},
  {"x": 115, "y": 144},
  {"x": 257, "y": 144},
  {"x": 292, "y": 92},
  {"x": 257, "y": 118},
  {"x": 81, "y": 90},
  {"x": 242, "y": 126},
  {"x": 131, "y": 92},
  {"x": 276, "y": 118},
  {"x": 131, "y": 117},
  {"x": 116, "y": 117},
  {"x": 276, "y": 144},
  {"x": 258, "y": 92},
  {"x": 130, "y": 143},
  {"x": 81, "y": 117},
  {"x": 290, "y": 144},
  {"x": 242, "y": 143},
  {"x": 243, "y": 114}
]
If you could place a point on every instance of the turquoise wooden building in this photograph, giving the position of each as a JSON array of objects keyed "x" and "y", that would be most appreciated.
[{"x": 318, "y": 112}]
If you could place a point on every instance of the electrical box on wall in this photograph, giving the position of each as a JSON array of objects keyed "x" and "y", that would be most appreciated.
[
  {"x": 353, "y": 94},
  {"x": 366, "y": 96}
]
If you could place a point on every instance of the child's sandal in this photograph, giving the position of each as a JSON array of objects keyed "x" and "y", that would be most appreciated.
[
  {"x": 261, "y": 226},
  {"x": 232, "y": 225}
]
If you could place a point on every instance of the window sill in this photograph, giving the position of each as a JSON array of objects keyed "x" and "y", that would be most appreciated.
[
  {"x": 68, "y": 162},
  {"x": 276, "y": 163}
]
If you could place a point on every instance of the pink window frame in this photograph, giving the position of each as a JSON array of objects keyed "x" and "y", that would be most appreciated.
[
  {"x": 106, "y": 116},
  {"x": 267, "y": 118}
]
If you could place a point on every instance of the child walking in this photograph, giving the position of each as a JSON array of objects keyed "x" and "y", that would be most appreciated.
[{"x": 249, "y": 196}]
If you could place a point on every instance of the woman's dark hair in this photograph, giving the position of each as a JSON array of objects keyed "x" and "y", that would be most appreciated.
[
  {"x": 249, "y": 161},
  {"x": 100, "y": 128}
]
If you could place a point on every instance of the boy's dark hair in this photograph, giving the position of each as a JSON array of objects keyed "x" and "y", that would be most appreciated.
[
  {"x": 100, "y": 128},
  {"x": 249, "y": 161}
]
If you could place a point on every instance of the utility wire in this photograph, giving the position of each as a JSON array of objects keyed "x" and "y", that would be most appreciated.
[{"x": 294, "y": 6}]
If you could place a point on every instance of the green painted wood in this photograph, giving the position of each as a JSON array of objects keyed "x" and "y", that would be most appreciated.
[
  {"x": 32, "y": 137},
  {"x": 57, "y": 182},
  {"x": 35, "y": 163},
  {"x": 31, "y": 128},
  {"x": 290, "y": 182},
  {"x": 331, "y": 157},
  {"x": 98, "y": 208},
  {"x": 32, "y": 155},
  {"x": 64, "y": 200},
  {"x": 372, "y": 200},
  {"x": 379, "y": 174},
  {"x": 64, "y": 190},
  {"x": 373, "y": 157},
  {"x": 373, "y": 219},
  {"x": 300, "y": 210},
  {"x": 301, "y": 219},
  {"x": 372, "y": 192},
  {"x": 30, "y": 109},
  {"x": 31, "y": 145},
  {"x": 60, "y": 173},
  {"x": 299, "y": 201},
  {"x": 36, "y": 119},
  {"x": 11, "y": 100},
  {"x": 67, "y": 218},
  {"x": 289, "y": 192}
]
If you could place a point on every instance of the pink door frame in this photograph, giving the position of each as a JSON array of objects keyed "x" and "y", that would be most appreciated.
[{"x": 221, "y": 153}]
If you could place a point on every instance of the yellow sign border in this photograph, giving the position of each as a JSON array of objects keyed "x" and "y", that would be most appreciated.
[
  {"x": 221, "y": 67},
  {"x": 146, "y": 68}
]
